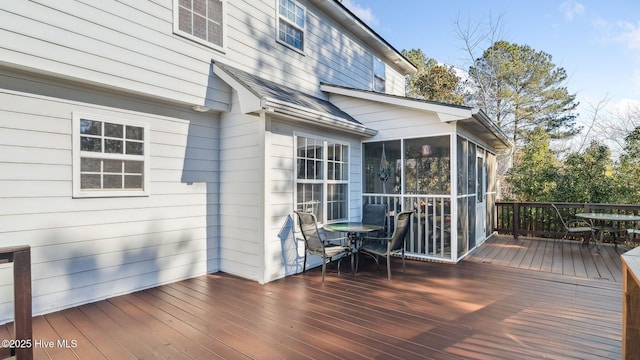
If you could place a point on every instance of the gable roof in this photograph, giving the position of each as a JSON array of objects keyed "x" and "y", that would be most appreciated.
[
  {"x": 257, "y": 94},
  {"x": 474, "y": 119},
  {"x": 350, "y": 21}
]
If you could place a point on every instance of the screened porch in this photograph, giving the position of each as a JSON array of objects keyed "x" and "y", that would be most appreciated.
[{"x": 452, "y": 200}]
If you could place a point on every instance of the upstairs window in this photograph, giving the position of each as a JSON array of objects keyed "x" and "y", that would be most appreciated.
[
  {"x": 110, "y": 157},
  {"x": 291, "y": 23},
  {"x": 379, "y": 75},
  {"x": 200, "y": 20}
]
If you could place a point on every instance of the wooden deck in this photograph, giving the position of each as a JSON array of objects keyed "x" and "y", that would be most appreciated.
[
  {"x": 564, "y": 258},
  {"x": 472, "y": 310}
]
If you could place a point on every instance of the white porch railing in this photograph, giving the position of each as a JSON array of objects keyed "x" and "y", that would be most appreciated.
[{"x": 430, "y": 233}]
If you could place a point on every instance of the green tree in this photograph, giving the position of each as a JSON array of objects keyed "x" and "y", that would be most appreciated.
[
  {"x": 521, "y": 89},
  {"x": 628, "y": 170},
  {"x": 432, "y": 81},
  {"x": 534, "y": 174},
  {"x": 588, "y": 177}
]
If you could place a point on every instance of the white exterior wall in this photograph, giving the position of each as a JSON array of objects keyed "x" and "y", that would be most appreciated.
[
  {"x": 131, "y": 47},
  {"x": 284, "y": 247},
  {"x": 93, "y": 248},
  {"x": 122, "y": 59},
  {"x": 331, "y": 55},
  {"x": 241, "y": 193},
  {"x": 392, "y": 122}
]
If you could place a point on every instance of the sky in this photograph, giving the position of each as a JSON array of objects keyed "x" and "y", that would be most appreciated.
[{"x": 597, "y": 42}]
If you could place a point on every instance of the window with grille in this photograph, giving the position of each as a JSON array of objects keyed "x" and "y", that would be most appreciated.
[
  {"x": 110, "y": 157},
  {"x": 200, "y": 20},
  {"x": 291, "y": 24},
  {"x": 322, "y": 178}
]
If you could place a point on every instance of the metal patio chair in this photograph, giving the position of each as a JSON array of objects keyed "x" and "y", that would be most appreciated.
[
  {"x": 376, "y": 247},
  {"x": 315, "y": 244},
  {"x": 575, "y": 227},
  {"x": 375, "y": 214}
]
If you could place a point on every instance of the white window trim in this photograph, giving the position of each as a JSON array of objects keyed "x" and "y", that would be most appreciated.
[
  {"x": 177, "y": 31},
  {"x": 325, "y": 181},
  {"x": 375, "y": 76},
  {"x": 303, "y": 29},
  {"x": 76, "y": 154}
]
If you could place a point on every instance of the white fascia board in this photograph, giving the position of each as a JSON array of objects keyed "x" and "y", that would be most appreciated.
[
  {"x": 444, "y": 112},
  {"x": 249, "y": 101}
]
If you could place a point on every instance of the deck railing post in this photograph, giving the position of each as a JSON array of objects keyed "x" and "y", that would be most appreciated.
[
  {"x": 21, "y": 258},
  {"x": 516, "y": 220}
]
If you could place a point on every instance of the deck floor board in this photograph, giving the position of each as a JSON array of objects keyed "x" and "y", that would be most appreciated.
[{"x": 510, "y": 299}]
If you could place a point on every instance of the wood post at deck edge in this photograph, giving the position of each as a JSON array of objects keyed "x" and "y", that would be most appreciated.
[
  {"x": 21, "y": 258},
  {"x": 516, "y": 220}
]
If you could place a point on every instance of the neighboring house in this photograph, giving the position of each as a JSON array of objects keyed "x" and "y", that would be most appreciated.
[{"x": 145, "y": 142}]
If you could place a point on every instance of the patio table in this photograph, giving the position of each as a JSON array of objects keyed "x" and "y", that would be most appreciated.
[
  {"x": 603, "y": 218},
  {"x": 353, "y": 229}
]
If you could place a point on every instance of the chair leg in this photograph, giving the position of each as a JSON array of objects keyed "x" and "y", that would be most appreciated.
[
  {"x": 561, "y": 241},
  {"x": 304, "y": 264},
  {"x": 324, "y": 269},
  {"x": 404, "y": 266},
  {"x": 389, "y": 266}
]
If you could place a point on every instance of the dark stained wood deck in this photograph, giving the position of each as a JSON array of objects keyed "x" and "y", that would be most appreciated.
[
  {"x": 472, "y": 310},
  {"x": 565, "y": 258}
]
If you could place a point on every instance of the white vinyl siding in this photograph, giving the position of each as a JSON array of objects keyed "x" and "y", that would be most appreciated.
[
  {"x": 283, "y": 248},
  {"x": 392, "y": 122},
  {"x": 123, "y": 60},
  {"x": 241, "y": 193},
  {"x": 126, "y": 46},
  {"x": 84, "y": 250},
  {"x": 132, "y": 46}
]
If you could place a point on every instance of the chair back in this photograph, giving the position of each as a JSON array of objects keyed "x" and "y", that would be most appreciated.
[
  {"x": 374, "y": 214},
  {"x": 309, "y": 228},
  {"x": 560, "y": 216},
  {"x": 403, "y": 220}
]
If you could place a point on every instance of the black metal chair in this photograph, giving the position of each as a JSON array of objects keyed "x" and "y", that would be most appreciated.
[
  {"x": 315, "y": 244},
  {"x": 386, "y": 247},
  {"x": 375, "y": 214},
  {"x": 575, "y": 227}
]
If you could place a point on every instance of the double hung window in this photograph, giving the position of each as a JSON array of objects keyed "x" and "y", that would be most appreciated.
[
  {"x": 291, "y": 24},
  {"x": 200, "y": 20},
  {"x": 379, "y": 75},
  {"x": 110, "y": 157},
  {"x": 322, "y": 178}
]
